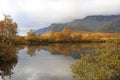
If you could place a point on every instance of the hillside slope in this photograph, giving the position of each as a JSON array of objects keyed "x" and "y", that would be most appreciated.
[{"x": 89, "y": 23}]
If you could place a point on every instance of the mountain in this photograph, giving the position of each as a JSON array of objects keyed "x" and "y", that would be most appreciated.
[
  {"x": 43, "y": 30},
  {"x": 93, "y": 23},
  {"x": 113, "y": 27}
]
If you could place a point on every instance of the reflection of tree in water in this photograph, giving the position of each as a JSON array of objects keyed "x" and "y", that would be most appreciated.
[
  {"x": 68, "y": 49},
  {"x": 20, "y": 47},
  {"x": 8, "y": 60},
  {"x": 75, "y": 50},
  {"x": 64, "y": 49},
  {"x": 6, "y": 68},
  {"x": 32, "y": 49}
]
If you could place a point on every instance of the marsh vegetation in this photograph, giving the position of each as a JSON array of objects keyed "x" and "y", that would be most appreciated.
[{"x": 104, "y": 65}]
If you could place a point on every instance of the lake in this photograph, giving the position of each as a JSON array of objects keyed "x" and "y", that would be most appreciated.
[{"x": 43, "y": 62}]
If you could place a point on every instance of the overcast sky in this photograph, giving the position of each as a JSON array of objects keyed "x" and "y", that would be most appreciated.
[{"x": 36, "y": 14}]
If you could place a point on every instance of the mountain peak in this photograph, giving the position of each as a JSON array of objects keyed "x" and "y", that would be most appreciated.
[{"x": 77, "y": 20}]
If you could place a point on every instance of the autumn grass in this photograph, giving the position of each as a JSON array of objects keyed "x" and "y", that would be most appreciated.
[{"x": 104, "y": 65}]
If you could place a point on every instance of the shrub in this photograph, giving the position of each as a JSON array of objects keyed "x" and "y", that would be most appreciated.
[{"x": 104, "y": 65}]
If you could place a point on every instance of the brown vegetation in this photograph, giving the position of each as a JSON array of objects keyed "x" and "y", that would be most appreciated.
[
  {"x": 104, "y": 65},
  {"x": 66, "y": 35},
  {"x": 8, "y": 28}
]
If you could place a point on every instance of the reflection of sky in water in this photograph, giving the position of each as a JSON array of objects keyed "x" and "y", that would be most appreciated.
[{"x": 43, "y": 66}]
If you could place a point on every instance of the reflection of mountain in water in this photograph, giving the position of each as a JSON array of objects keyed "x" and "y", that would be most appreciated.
[
  {"x": 73, "y": 50},
  {"x": 76, "y": 54}
]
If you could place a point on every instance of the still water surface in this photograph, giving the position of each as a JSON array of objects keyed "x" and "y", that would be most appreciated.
[{"x": 51, "y": 62}]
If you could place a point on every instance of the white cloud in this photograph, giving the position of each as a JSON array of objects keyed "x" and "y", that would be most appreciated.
[
  {"x": 43, "y": 66},
  {"x": 45, "y": 12},
  {"x": 1, "y": 17}
]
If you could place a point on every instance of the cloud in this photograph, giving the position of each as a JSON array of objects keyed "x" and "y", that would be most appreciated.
[
  {"x": 43, "y": 66},
  {"x": 41, "y": 13},
  {"x": 1, "y": 17}
]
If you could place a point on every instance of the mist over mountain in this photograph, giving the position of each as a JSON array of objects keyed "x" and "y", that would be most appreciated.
[{"x": 95, "y": 23}]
